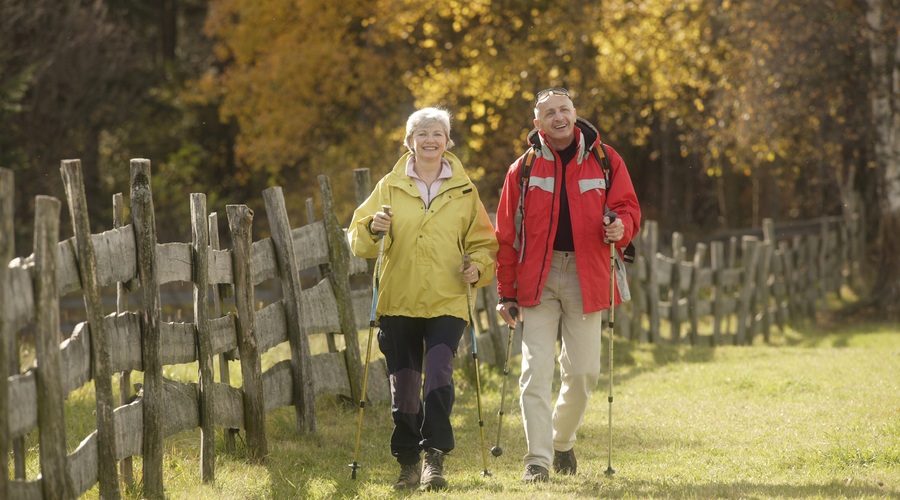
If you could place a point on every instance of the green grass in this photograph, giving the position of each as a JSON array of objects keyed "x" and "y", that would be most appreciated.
[{"x": 815, "y": 416}]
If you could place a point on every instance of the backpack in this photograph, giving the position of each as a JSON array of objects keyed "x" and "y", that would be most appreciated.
[{"x": 602, "y": 159}]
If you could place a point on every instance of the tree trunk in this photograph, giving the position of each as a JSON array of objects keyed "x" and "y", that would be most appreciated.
[{"x": 885, "y": 54}]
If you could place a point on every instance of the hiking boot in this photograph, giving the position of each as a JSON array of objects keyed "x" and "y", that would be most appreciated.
[
  {"x": 535, "y": 474},
  {"x": 409, "y": 476},
  {"x": 564, "y": 462},
  {"x": 433, "y": 474}
]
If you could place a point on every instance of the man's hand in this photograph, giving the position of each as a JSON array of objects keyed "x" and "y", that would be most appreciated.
[
  {"x": 510, "y": 312},
  {"x": 614, "y": 231}
]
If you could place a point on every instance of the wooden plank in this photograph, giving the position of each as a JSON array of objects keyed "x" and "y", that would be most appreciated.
[
  {"x": 83, "y": 465},
  {"x": 115, "y": 255},
  {"x": 265, "y": 264},
  {"x": 303, "y": 396},
  {"x": 200, "y": 266},
  {"x": 320, "y": 309},
  {"x": 75, "y": 358},
  {"x": 178, "y": 343},
  {"x": 224, "y": 338},
  {"x": 310, "y": 245},
  {"x": 19, "y": 304},
  {"x": 278, "y": 386},
  {"x": 219, "y": 264},
  {"x": 68, "y": 279},
  {"x": 240, "y": 220},
  {"x": 182, "y": 407},
  {"x": 23, "y": 402},
  {"x": 55, "y": 479},
  {"x": 130, "y": 428},
  {"x": 174, "y": 260},
  {"x": 144, "y": 221},
  {"x": 229, "y": 410},
  {"x": 272, "y": 326},
  {"x": 124, "y": 333}
]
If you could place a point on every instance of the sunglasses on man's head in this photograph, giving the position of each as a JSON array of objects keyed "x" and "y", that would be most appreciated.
[{"x": 543, "y": 94}]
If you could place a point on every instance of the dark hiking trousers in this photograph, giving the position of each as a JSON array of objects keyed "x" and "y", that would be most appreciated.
[{"x": 404, "y": 341}]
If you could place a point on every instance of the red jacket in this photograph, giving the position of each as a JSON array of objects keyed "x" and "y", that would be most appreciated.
[{"x": 523, "y": 260}]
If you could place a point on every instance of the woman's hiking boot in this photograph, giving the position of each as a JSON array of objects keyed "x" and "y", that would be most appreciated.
[
  {"x": 409, "y": 476},
  {"x": 433, "y": 474}
]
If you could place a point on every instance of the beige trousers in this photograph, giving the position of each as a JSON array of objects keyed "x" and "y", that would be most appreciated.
[{"x": 560, "y": 310}]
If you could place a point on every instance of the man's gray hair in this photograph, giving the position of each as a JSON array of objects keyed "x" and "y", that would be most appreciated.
[{"x": 426, "y": 117}]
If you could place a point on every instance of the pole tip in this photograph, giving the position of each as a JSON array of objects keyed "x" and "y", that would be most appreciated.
[
  {"x": 609, "y": 471},
  {"x": 496, "y": 451}
]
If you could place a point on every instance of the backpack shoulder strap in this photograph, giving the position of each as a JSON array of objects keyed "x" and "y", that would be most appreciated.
[
  {"x": 603, "y": 159},
  {"x": 602, "y": 156},
  {"x": 525, "y": 171}
]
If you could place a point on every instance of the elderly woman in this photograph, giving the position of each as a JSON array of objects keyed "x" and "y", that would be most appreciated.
[{"x": 435, "y": 218}]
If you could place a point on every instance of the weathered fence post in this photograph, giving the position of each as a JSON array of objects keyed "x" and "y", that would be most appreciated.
[
  {"x": 339, "y": 256},
  {"x": 746, "y": 317},
  {"x": 100, "y": 355},
  {"x": 675, "y": 290},
  {"x": 303, "y": 392},
  {"x": 126, "y": 465},
  {"x": 311, "y": 219},
  {"x": 224, "y": 374},
  {"x": 55, "y": 479},
  {"x": 144, "y": 221},
  {"x": 7, "y": 250},
  {"x": 651, "y": 241},
  {"x": 697, "y": 274},
  {"x": 763, "y": 288},
  {"x": 240, "y": 221},
  {"x": 717, "y": 262},
  {"x": 200, "y": 266}
]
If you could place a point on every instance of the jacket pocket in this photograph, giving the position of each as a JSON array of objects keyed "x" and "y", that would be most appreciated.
[{"x": 585, "y": 185}]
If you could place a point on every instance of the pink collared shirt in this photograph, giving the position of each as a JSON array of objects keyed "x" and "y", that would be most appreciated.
[{"x": 427, "y": 193}]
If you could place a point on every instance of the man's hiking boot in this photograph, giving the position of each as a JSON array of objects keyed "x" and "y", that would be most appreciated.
[
  {"x": 535, "y": 474},
  {"x": 409, "y": 476},
  {"x": 564, "y": 462},
  {"x": 433, "y": 474}
]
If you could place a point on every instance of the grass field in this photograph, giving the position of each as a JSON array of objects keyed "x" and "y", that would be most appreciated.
[{"x": 815, "y": 416}]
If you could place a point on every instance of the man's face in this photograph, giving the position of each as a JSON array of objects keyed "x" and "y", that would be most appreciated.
[{"x": 555, "y": 116}]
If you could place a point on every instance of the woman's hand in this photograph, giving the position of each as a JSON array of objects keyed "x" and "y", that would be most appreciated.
[
  {"x": 470, "y": 273},
  {"x": 381, "y": 223}
]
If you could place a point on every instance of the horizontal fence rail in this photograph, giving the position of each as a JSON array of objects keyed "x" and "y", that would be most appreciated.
[{"x": 729, "y": 291}]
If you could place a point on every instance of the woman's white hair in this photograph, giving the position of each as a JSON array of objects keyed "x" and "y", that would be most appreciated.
[{"x": 426, "y": 117}]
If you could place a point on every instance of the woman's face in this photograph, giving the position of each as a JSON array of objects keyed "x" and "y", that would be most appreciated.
[{"x": 430, "y": 142}]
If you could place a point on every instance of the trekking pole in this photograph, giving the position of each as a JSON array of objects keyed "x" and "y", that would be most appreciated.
[
  {"x": 612, "y": 318},
  {"x": 497, "y": 450},
  {"x": 472, "y": 329},
  {"x": 362, "y": 398}
]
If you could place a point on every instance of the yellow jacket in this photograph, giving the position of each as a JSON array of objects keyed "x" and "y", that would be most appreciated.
[{"x": 424, "y": 248}]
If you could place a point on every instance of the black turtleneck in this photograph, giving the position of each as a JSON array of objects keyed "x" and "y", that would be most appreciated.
[{"x": 564, "y": 241}]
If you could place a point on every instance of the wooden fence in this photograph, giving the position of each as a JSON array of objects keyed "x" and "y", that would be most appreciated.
[{"x": 749, "y": 286}]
